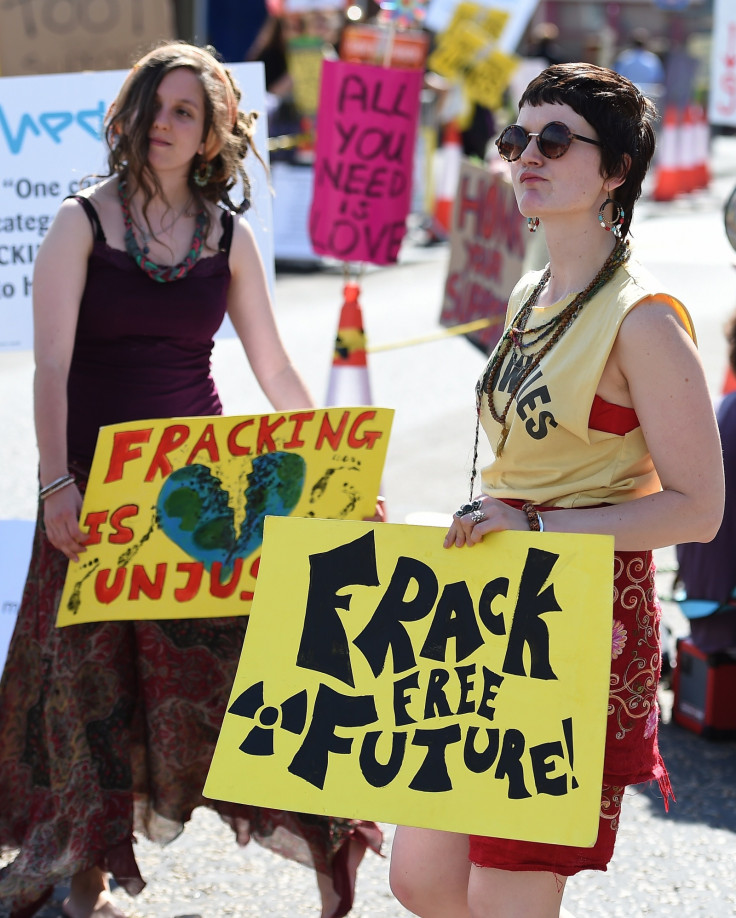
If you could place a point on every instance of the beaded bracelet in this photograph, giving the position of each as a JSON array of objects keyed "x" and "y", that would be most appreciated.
[
  {"x": 56, "y": 485},
  {"x": 534, "y": 516}
]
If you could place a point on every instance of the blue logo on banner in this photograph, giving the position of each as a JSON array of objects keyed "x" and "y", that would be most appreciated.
[{"x": 53, "y": 124}]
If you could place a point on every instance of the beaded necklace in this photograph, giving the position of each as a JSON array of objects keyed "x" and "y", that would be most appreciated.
[
  {"x": 160, "y": 273},
  {"x": 518, "y": 337}
]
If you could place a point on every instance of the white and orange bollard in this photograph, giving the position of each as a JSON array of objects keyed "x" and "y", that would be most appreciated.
[
  {"x": 668, "y": 171},
  {"x": 450, "y": 154},
  {"x": 349, "y": 383},
  {"x": 702, "y": 148},
  {"x": 689, "y": 152}
]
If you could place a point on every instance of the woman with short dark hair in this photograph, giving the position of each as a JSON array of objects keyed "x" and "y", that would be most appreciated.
[{"x": 596, "y": 406}]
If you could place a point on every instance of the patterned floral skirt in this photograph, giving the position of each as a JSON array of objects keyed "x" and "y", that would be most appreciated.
[
  {"x": 108, "y": 729},
  {"x": 631, "y": 754}
]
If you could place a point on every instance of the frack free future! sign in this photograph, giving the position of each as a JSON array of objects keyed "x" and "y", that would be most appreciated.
[{"x": 385, "y": 677}]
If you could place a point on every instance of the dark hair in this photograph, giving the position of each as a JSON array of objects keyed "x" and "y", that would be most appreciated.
[
  {"x": 228, "y": 132},
  {"x": 620, "y": 114}
]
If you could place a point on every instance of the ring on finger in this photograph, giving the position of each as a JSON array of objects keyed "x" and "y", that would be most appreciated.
[
  {"x": 477, "y": 516},
  {"x": 468, "y": 508}
]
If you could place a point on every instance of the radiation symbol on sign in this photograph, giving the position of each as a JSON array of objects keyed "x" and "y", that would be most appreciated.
[{"x": 292, "y": 715}]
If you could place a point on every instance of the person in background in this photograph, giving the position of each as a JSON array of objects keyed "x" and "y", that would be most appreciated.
[
  {"x": 596, "y": 406},
  {"x": 108, "y": 729},
  {"x": 543, "y": 43},
  {"x": 232, "y": 26},
  {"x": 269, "y": 47},
  {"x": 641, "y": 65},
  {"x": 707, "y": 572},
  {"x": 477, "y": 134}
]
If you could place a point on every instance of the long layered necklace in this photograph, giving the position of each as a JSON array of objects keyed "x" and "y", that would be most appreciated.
[
  {"x": 542, "y": 338},
  {"x": 160, "y": 273}
]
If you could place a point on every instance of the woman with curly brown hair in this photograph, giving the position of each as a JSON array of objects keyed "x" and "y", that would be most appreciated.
[{"x": 109, "y": 728}]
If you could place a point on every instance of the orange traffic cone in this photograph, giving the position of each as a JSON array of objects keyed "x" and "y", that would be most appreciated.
[
  {"x": 688, "y": 152},
  {"x": 451, "y": 156},
  {"x": 702, "y": 148},
  {"x": 349, "y": 383},
  {"x": 668, "y": 178}
]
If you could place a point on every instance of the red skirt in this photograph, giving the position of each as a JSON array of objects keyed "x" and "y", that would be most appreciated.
[
  {"x": 632, "y": 753},
  {"x": 109, "y": 728}
]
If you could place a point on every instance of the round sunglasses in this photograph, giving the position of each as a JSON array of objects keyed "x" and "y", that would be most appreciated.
[{"x": 553, "y": 141}]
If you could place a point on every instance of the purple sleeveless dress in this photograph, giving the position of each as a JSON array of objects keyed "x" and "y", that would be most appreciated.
[
  {"x": 109, "y": 728},
  {"x": 142, "y": 348}
]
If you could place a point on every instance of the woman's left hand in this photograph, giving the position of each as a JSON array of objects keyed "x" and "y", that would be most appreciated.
[
  {"x": 491, "y": 515},
  {"x": 380, "y": 515}
]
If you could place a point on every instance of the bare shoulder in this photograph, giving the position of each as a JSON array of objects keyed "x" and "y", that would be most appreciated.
[
  {"x": 71, "y": 214},
  {"x": 105, "y": 199},
  {"x": 654, "y": 346},
  {"x": 244, "y": 249},
  {"x": 653, "y": 341},
  {"x": 101, "y": 192},
  {"x": 242, "y": 231},
  {"x": 654, "y": 315},
  {"x": 652, "y": 334},
  {"x": 70, "y": 227}
]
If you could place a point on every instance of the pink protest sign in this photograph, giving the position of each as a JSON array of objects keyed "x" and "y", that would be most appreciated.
[{"x": 366, "y": 129}]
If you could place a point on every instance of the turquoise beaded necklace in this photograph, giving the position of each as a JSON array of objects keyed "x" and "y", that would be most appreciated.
[{"x": 160, "y": 273}]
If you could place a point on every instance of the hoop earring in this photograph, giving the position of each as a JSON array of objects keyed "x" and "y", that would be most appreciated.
[
  {"x": 202, "y": 173},
  {"x": 532, "y": 223},
  {"x": 616, "y": 221}
]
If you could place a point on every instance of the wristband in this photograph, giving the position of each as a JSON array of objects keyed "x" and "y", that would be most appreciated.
[
  {"x": 56, "y": 485},
  {"x": 536, "y": 523}
]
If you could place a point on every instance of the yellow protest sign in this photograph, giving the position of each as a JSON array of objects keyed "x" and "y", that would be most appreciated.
[
  {"x": 384, "y": 677},
  {"x": 304, "y": 57},
  {"x": 490, "y": 21},
  {"x": 493, "y": 22},
  {"x": 175, "y": 507},
  {"x": 456, "y": 51},
  {"x": 487, "y": 80},
  {"x": 470, "y": 36}
]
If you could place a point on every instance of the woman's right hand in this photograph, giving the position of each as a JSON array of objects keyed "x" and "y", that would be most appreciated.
[
  {"x": 61, "y": 521},
  {"x": 491, "y": 515}
]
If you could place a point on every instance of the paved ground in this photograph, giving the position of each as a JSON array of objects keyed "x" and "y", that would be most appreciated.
[{"x": 680, "y": 864}]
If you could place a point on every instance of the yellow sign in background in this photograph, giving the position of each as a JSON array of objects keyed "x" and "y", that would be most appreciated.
[
  {"x": 384, "y": 677},
  {"x": 467, "y": 52},
  {"x": 175, "y": 507}
]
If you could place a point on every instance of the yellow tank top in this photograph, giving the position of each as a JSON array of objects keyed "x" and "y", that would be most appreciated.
[{"x": 551, "y": 456}]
